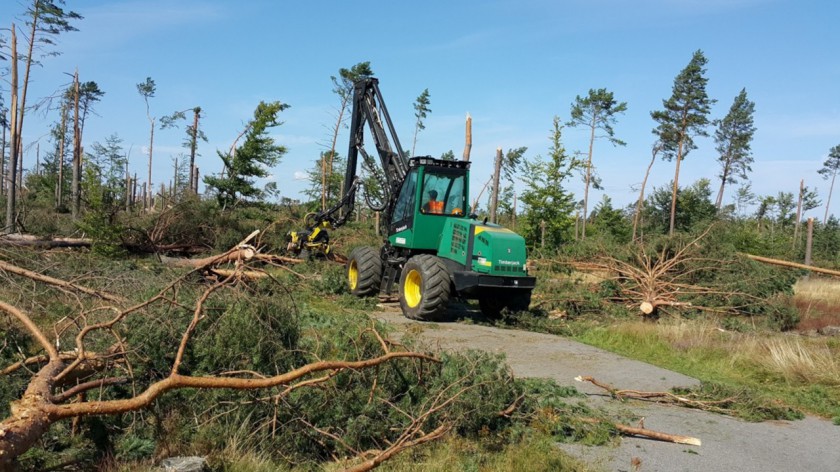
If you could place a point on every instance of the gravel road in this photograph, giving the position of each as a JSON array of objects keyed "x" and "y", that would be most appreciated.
[{"x": 729, "y": 444}]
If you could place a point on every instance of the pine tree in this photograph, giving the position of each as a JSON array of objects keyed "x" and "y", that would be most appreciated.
[
  {"x": 597, "y": 111},
  {"x": 829, "y": 170},
  {"x": 685, "y": 116},
  {"x": 733, "y": 138}
]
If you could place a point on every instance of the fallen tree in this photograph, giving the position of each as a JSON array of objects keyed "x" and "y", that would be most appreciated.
[{"x": 792, "y": 265}]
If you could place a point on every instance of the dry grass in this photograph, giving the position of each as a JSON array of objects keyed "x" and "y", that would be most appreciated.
[
  {"x": 795, "y": 358},
  {"x": 818, "y": 301},
  {"x": 801, "y": 360}
]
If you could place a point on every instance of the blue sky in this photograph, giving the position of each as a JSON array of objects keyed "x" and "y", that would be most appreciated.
[{"x": 512, "y": 65}]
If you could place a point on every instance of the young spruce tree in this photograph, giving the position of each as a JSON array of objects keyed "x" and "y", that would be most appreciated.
[{"x": 545, "y": 198}]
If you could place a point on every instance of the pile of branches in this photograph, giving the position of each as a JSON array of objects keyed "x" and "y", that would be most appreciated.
[{"x": 695, "y": 275}]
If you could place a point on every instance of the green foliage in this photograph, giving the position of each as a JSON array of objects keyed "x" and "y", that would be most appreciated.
[
  {"x": 251, "y": 160},
  {"x": 104, "y": 191},
  {"x": 545, "y": 198},
  {"x": 685, "y": 113},
  {"x": 334, "y": 180},
  {"x": 741, "y": 402},
  {"x": 610, "y": 222},
  {"x": 598, "y": 111},
  {"x": 694, "y": 204}
]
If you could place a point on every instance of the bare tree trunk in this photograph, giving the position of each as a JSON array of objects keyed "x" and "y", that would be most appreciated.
[
  {"x": 588, "y": 177},
  {"x": 828, "y": 202},
  {"x": 494, "y": 192},
  {"x": 514, "y": 211},
  {"x": 675, "y": 190},
  {"x": 798, "y": 213},
  {"x": 20, "y": 171},
  {"x": 637, "y": 217},
  {"x": 542, "y": 234},
  {"x": 59, "y": 187},
  {"x": 468, "y": 139},
  {"x": 76, "y": 189},
  {"x": 719, "y": 201},
  {"x": 3, "y": 156},
  {"x": 149, "y": 187},
  {"x": 193, "y": 145},
  {"x": 809, "y": 241},
  {"x": 14, "y": 136}
]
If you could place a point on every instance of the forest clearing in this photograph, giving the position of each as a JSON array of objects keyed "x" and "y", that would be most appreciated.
[{"x": 459, "y": 311}]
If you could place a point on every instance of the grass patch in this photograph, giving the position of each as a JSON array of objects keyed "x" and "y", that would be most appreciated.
[{"x": 777, "y": 370}]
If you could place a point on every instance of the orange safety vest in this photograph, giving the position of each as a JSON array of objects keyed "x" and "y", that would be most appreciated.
[{"x": 435, "y": 206}]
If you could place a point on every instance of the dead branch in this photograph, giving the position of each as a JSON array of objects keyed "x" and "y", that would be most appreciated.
[{"x": 661, "y": 397}]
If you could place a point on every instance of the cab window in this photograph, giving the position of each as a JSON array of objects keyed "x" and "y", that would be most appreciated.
[
  {"x": 405, "y": 202},
  {"x": 444, "y": 193}
]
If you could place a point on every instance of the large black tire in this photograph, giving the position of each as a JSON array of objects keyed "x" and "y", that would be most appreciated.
[
  {"x": 493, "y": 302},
  {"x": 364, "y": 271},
  {"x": 424, "y": 288}
]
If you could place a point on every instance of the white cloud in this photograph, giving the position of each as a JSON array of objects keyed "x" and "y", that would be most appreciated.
[{"x": 300, "y": 175}]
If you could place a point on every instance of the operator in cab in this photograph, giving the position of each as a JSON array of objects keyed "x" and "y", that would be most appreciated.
[{"x": 433, "y": 205}]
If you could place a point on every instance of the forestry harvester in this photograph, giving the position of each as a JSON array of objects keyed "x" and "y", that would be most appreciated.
[{"x": 433, "y": 249}]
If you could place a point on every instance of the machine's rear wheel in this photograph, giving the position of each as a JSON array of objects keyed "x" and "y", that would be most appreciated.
[
  {"x": 364, "y": 271},
  {"x": 492, "y": 302},
  {"x": 424, "y": 288}
]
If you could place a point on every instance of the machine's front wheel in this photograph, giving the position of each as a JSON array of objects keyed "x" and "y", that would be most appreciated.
[
  {"x": 364, "y": 271},
  {"x": 424, "y": 288}
]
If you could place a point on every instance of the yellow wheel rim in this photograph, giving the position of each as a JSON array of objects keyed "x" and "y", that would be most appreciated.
[
  {"x": 353, "y": 275},
  {"x": 412, "y": 289}
]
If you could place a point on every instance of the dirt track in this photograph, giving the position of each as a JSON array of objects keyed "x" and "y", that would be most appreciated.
[{"x": 729, "y": 444}]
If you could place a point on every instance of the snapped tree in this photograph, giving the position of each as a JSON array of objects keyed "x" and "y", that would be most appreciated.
[
  {"x": 597, "y": 111},
  {"x": 733, "y": 138},
  {"x": 250, "y": 161},
  {"x": 685, "y": 115}
]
